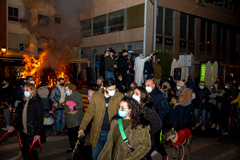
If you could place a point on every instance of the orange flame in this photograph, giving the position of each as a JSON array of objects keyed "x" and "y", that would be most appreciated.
[{"x": 34, "y": 67}]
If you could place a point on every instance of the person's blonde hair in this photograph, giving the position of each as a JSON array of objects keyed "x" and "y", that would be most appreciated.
[
  {"x": 167, "y": 84},
  {"x": 71, "y": 87},
  {"x": 32, "y": 88}
]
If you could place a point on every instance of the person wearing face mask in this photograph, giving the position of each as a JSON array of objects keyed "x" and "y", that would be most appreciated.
[
  {"x": 102, "y": 64},
  {"x": 139, "y": 68},
  {"x": 123, "y": 66},
  {"x": 148, "y": 69},
  {"x": 166, "y": 90},
  {"x": 5, "y": 99},
  {"x": 29, "y": 79},
  {"x": 73, "y": 115},
  {"x": 151, "y": 110},
  {"x": 110, "y": 65},
  {"x": 157, "y": 68},
  {"x": 190, "y": 83},
  {"x": 119, "y": 83},
  {"x": 134, "y": 122},
  {"x": 103, "y": 106},
  {"x": 214, "y": 105},
  {"x": 30, "y": 122},
  {"x": 57, "y": 96},
  {"x": 130, "y": 91},
  {"x": 202, "y": 98},
  {"x": 185, "y": 96}
]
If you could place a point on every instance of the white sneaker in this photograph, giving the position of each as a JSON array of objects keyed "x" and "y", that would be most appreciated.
[
  {"x": 154, "y": 153},
  {"x": 217, "y": 128},
  {"x": 6, "y": 128},
  {"x": 214, "y": 125}
]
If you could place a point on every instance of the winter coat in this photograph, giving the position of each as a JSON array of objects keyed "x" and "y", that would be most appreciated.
[
  {"x": 55, "y": 96},
  {"x": 119, "y": 85},
  {"x": 5, "y": 94},
  {"x": 160, "y": 100},
  {"x": 102, "y": 66},
  {"x": 185, "y": 96},
  {"x": 109, "y": 64},
  {"x": 190, "y": 85},
  {"x": 123, "y": 65},
  {"x": 200, "y": 95},
  {"x": 148, "y": 67},
  {"x": 225, "y": 106},
  {"x": 43, "y": 93},
  {"x": 74, "y": 120},
  {"x": 237, "y": 100},
  {"x": 34, "y": 120},
  {"x": 157, "y": 68},
  {"x": 181, "y": 136},
  {"x": 139, "y": 139},
  {"x": 152, "y": 113},
  {"x": 96, "y": 111},
  {"x": 214, "y": 93}
]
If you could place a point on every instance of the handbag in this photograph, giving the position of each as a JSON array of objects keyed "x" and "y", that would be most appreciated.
[{"x": 124, "y": 137}]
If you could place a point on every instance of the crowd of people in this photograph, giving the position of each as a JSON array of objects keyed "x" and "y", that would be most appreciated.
[{"x": 127, "y": 114}]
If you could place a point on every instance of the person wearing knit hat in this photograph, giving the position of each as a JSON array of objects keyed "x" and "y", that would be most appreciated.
[{"x": 185, "y": 104}]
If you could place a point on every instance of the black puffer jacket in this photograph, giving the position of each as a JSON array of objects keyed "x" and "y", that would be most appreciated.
[
  {"x": 152, "y": 113},
  {"x": 200, "y": 95},
  {"x": 34, "y": 120}
]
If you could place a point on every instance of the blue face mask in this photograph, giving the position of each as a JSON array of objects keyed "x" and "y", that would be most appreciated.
[
  {"x": 201, "y": 87},
  {"x": 142, "y": 57},
  {"x": 67, "y": 93},
  {"x": 27, "y": 94},
  {"x": 122, "y": 113}
]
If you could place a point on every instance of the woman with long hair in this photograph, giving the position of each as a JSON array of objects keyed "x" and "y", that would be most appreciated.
[
  {"x": 148, "y": 107},
  {"x": 30, "y": 122},
  {"x": 136, "y": 127}
]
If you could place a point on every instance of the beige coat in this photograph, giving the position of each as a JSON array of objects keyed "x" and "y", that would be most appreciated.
[
  {"x": 139, "y": 139},
  {"x": 186, "y": 96},
  {"x": 96, "y": 111}
]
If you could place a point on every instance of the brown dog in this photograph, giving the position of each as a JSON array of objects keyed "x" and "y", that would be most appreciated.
[{"x": 178, "y": 139}]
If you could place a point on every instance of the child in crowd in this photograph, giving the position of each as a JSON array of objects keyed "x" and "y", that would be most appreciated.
[{"x": 173, "y": 113}]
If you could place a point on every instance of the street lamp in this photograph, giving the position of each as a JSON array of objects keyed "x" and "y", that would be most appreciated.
[{"x": 3, "y": 50}]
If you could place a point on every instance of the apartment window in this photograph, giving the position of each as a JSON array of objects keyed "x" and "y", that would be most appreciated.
[
  {"x": 99, "y": 25},
  {"x": 169, "y": 22},
  {"x": 57, "y": 20},
  {"x": 43, "y": 20},
  {"x": 18, "y": 41},
  {"x": 86, "y": 27},
  {"x": 160, "y": 20},
  {"x": 203, "y": 30},
  {"x": 209, "y": 32},
  {"x": 183, "y": 26},
  {"x": 12, "y": 13},
  {"x": 191, "y": 28},
  {"x": 41, "y": 44},
  {"x": 116, "y": 21},
  {"x": 135, "y": 16}
]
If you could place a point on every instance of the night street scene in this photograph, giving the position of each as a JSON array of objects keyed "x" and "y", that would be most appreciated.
[{"x": 120, "y": 80}]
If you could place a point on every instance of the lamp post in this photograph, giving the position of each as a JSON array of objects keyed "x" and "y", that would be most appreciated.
[{"x": 3, "y": 50}]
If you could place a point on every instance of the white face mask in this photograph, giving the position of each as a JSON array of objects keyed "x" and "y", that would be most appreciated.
[
  {"x": 112, "y": 93},
  {"x": 226, "y": 87},
  {"x": 136, "y": 98},
  {"x": 149, "y": 89},
  {"x": 178, "y": 87},
  {"x": 31, "y": 82}
]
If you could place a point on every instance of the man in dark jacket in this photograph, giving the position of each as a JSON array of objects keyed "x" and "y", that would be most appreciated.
[
  {"x": 160, "y": 100},
  {"x": 102, "y": 64},
  {"x": 110, "y": 65},
  {"x": 58, "y": 97},
  {"x": 5, "y": 98},
  {"x": 202, "y": 97},
  {"x": 148, "y": 69},
  {"x": 123, "y": 66}
]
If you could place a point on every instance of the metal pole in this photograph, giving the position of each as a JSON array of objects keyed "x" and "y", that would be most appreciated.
[
  {"x": 155, "y": 14},
  {"x": 145, "y": 28}
]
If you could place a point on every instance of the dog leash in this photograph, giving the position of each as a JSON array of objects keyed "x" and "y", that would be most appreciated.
[{"x": 20, "y": 142}]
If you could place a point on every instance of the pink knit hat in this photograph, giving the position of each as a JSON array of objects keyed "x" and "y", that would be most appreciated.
[{"x": 71, "y": 104}]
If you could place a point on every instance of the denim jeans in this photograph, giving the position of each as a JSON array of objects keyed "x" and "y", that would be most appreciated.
[
  {"x": 184, "y": 111},
  {"x": 101, "y": 142},
  {"x": 59, "y": 118},
  {"x": 196, "y": 113},
  {"x": 109, "y": 74}
]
